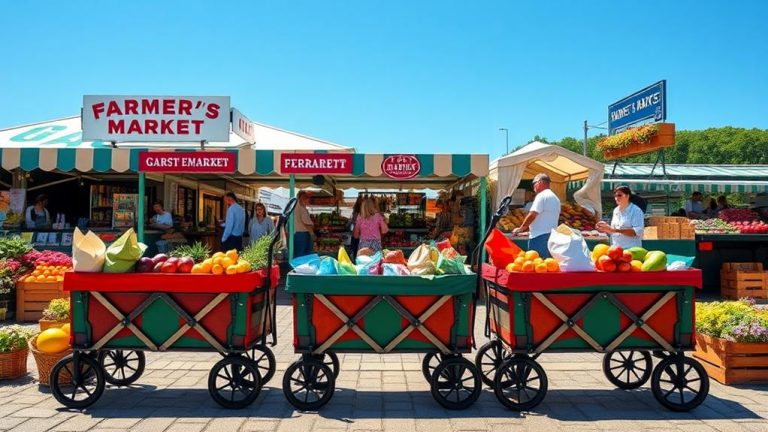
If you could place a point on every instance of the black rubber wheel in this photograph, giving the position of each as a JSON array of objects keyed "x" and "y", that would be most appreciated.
[
  {"x": 332, "y": 361},
  {"x": 680, "y": 383},
  {"x": 265, "y": 362},
  {"x": 488, "y": 360},
  {"x": 80, "y": 393},
  {"x": 430, "y": 363},
  {"x": 122, "y": 368},
  {"x": 628, "y": 369},
  {"x": 308, "y": 384},
  {"x": 234, "y": 382},
  {"x": 456, "y": 383},
  {"x": 520, "y": 384}
]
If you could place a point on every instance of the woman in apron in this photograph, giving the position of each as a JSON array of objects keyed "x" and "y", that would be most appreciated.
[{"x": 37, "y": 215}]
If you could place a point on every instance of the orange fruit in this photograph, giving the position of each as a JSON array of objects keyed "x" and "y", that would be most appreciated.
[
  {"x": 227, "y": 261},
  {"x": 218, "y": 260},
  {"x": 517, "y": 267},
  {"x": 232, "y": 269},
  {"x": 509, "y": 267},
  {"x": 636, "y": 266},
  {"x": 521, "y": 254},
  {"x": 232, "y": 254},
  {"x": 197, "y": 268},
  {"x": 50, "y": 278},
  {"x": 537, "y": 261},
  {"x": 40, "y": 278},
  {"x": 205, "y": 266},
  {"x": 29, "y": 279},
  {"x": 217, "y": 269},
  {"x": 59, "y": 278},
  {"x": 541, "y": 268},
  {"x": 36, "y": 273},
  {"x": 219, "y": 255},
  {"x": 519, "y": 260},
  {"x": 552, "y": 265},
  {"x": 531, "y": 255},
  {"x": 528, "y": 267}
]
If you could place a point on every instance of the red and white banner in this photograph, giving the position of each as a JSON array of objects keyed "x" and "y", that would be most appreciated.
[
  {"x": 156, "y": 118},
  {"x": 313, "y": 163},
  {"x": 187, "y": 162},
  {"x": 401, "y": 167},
  {"x": 243, "y": 127}
]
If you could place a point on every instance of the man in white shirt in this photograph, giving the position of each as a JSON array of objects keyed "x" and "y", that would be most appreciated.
[
  {"x": 543, "y": 217},
  {"x": 693, "y": 207},
  {"x": 162, "y": 219}
]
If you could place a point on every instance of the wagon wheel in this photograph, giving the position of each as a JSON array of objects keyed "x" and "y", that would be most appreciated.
[
  {"x": 520, "y": 384},
  {"x": 234, "y": 382},
  {"x": 331, "y": 360},
  {"x": 265, "y": 362},
  {"x": 81, "y": 392},
  {"x": 308, "y": 384},
  {"x": 488, "y": 360},
  {"x": 628, "y": 369},
  {"x": 680, "y": 383},
  {"x": 431, "y": 361},
  {"x": 122, "y": 368},
  {"x": 456, "y": 383}
]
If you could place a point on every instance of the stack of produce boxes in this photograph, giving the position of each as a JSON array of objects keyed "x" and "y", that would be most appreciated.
[
  {"x": 739, "y": 280},
  {"x": 670, "y": 228}
]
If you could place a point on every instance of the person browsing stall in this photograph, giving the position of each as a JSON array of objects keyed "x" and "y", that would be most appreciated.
[
  {"x": 234, "y": 224},
  {"x": 542, "y": 218},
  {"x": 303, "y": 227},
  {"x": 370, "y": 226},
  {"x": 37, "y": 216},
  {"x": 694, "y": 209},
  {"x": 261, "y": 224},
  {"x": 162, "y": 219},
  {"x": 628, "y": 222}
]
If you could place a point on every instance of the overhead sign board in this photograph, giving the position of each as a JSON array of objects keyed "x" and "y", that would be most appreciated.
[
  {"x": 401, "y": 167},
  {"x": 316, "y": 163},
  {"x": 243, "y": 127},
  {"x": 187, "y": 162},
  {"x": 648, "y": 103},
  {"x": 155, "y": 118}
]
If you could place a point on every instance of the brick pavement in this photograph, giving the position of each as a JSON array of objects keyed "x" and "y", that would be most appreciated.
[{"x": 373, "y": 393}]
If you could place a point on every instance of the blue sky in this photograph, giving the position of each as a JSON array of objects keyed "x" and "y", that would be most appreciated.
[{"x": 395, "y": 76}]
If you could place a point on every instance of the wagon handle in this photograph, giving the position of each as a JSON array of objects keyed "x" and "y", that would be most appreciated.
[{"x": 281, "y": 221}]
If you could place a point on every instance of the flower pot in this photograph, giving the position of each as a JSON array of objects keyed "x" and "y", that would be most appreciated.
[
  {"x": 730, "y": 362},
  {"x": 46, "y": 324},
  {"x": 14, "y": 364},
  {"x": 46, "y": 361},
  {"x": 664, "y": 138}
]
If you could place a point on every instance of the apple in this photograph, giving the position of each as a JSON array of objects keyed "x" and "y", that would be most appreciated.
[
  {"x": 145, "y": 265},
  {"x": 626, "y": 257},
  {"x": 615, "y": 253},
  {"x": 157, "y": 267},
  {"x": 173, "y": 260},
  {"x": 185, "y": 265},
  {"x": 607, "y": 264},
  {"x": 159, "y": 258},
  {"x": 624, "y": 267},
  {"x": 168, "y": 267}
]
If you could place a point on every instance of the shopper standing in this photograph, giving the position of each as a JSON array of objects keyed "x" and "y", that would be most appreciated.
[
  {"x": 303, "y": 227},
  {"x": 543, "y": 216},
  {"x": 234, "y": 224},
  {"x": 370, "y": 226}
]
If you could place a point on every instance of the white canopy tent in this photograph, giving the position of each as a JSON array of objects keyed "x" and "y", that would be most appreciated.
[{"x": 562, "y": 166}]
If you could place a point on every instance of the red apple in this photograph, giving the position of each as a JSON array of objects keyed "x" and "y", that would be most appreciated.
[
  {"x": 626, "y": 257},
  {"x": 168, "y": 267},
  {"x": 615, "y": 253},
  {"x": 185, "y": 265},
  {"x": 625, "y": 267},
  {"x": 159, "y": 258},
  {"x": 157, "y": 267},
  {"x": 607, "y": 264}
]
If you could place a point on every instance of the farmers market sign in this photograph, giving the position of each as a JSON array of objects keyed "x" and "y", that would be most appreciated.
[
  {"x": 648, "y": 103},
  {"x": 187, "y": 162},
  {"x": 155, "y": 118},
  {"x": 401, "y": 167},
  {"x": 311, "y": 163}
]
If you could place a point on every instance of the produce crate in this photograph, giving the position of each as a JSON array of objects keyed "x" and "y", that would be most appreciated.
[
  {"x": 670, "y": 231},
  {"x": 742, "y": 266},
  {"x": 33, "y": 297},
  {"x": 739, "y": 280},
  {"x": 651, "y": 233},
  {"x": 731, "y": 362},
  {"x": 687, "y": 232}
]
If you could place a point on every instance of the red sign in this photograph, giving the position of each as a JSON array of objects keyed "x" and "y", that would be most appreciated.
[
  {"x": 401, "y": 167},
  {"x": 187, "y": 162},
  {"x": 313, "y": 163}
]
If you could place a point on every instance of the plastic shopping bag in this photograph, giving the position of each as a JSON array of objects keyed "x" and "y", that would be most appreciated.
[
  {"x": 87, "y": 252},
  {"x": 328, "y": 266},
  {"x": 501, "y": 250},
  {"x": 391, "y": 269},
  {"x": 369, "y": 265},
  {"x": 569, "y": 249},
  {"x": 123, "y": 254},
  {"x": 307, "y": 264},
  {"x": 421, "y": 263},
  {"x": 450, "y": 262}
]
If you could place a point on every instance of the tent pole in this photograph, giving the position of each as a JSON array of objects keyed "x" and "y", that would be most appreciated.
[
  {"x": 483, "y": 216},
  {"x": 140, "y": 216},
  {"x": 291, "y": 194}
]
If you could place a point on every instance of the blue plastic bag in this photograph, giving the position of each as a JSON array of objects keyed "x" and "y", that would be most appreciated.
[
  {"x": 328, "y": 266},
  {"x": 307, "y": 264}
]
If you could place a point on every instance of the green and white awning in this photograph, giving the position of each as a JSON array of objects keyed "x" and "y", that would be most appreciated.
[{"x": 687, "y": 186}]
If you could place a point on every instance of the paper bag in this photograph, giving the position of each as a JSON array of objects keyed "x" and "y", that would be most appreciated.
[
  {"x": 570, "y": 250},
  {"x": 420, "y": 262},
  {"x": 122, "y": 255},
  {"x": 87, "y": 252}
]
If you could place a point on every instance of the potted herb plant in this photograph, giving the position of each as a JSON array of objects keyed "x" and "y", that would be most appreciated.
[
  {"x": 732, "y": 341},
  {"x": 14, "y": 351},
  {"x": 56, "y": 314}
]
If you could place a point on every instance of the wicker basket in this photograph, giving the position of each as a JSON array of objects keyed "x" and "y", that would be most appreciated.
[
  {"x": 46, "y": 324},
  {"x": 46, "y": 361},
  {"x": 14, "y": 364}
]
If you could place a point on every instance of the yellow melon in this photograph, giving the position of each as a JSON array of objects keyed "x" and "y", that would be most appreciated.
[{"x": 53, "y": 340}]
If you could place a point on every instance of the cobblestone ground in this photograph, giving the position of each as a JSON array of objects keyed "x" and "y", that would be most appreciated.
[{"x": 373, "y": 393}]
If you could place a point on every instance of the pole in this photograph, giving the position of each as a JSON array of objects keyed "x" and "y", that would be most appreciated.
[
  {"x": 584, "y": 147},
  {"x": 506, "y": 134},
  {"x": 291, "y": 194},
  {"x": 483, "y": 216},
  {"x": 140, "y": 216}
]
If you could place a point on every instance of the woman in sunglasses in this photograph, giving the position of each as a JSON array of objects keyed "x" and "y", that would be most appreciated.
[{"x": 627, "y": 224}]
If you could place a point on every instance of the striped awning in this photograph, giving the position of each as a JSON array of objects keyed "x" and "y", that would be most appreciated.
[
  {"x": 687, "y": 187},
  {"x": 249, "y": 162}
]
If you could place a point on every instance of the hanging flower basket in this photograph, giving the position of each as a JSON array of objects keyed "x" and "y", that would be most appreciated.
[{"x": 637, "y": 141}]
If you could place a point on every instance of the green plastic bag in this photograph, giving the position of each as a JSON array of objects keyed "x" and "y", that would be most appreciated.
[{"x": 122, "y": 255}]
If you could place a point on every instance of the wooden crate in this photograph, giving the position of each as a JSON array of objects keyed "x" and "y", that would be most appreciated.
[
  {"x": 742, "y": 266},
  {"x": 732, "y": 362},
  {"x": 687, "y": 232},
  {"x": 33, "y": 297},
  {"x": 651, "y": 233},
  {"x": 742, "y": 283},
  {"x": 670, "y": 231}
]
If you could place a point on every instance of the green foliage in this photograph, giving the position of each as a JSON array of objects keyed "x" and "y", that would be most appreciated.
[
  {"x": 257, "y": 253},
  {"x": 13, "y": 247},
  {"x": 14, "y": 338},
  {"x": 57, "y": 310},
  {"x": 640, "y": 135},
  {"x": 198, "y": 251}
]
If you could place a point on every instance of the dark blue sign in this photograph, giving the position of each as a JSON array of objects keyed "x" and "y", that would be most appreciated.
[{"x": 648, "y": 103}]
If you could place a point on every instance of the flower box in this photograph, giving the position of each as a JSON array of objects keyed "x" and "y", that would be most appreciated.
[
  {"x": 663, "y": 138},
  {"x": 33, "y": 297},
  {"x": 732, "y": 362}
]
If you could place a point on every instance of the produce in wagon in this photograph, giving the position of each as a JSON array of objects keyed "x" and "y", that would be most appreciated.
[
  {"x": 421, "y": 261},
  {"x": 568, "y": 247},
  {"x": 88, "y": 252},
  {"x": 122, "y": 255}
]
